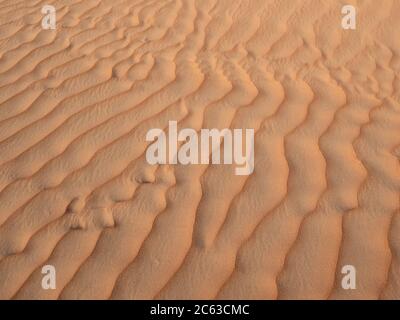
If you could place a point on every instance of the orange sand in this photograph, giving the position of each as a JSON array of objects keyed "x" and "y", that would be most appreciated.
[{"x": 76, "y": 191}]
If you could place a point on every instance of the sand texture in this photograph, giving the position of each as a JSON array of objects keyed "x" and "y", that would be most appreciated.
[{"x": 77, "y": 192}]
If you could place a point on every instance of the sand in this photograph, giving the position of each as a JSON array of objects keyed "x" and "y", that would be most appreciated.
[{"x": 77, "y": 193}]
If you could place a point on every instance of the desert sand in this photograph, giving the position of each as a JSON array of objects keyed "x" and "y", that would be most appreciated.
[{"x": 77, "y": 193}]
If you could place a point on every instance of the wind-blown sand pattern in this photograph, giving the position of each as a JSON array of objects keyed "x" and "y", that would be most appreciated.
[{"x": 76, "y": 191}]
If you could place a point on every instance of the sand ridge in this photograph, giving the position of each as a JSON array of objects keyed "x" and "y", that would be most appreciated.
[{"x": 77, "y": 192}]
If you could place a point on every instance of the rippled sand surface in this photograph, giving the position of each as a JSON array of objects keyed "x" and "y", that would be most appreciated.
[{"x": 76, "y": 191}]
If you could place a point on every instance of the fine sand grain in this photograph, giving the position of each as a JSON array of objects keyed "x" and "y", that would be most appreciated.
[{"x": 76, "y": 191}]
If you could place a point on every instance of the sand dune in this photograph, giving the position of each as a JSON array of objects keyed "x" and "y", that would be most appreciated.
[{"x": 76, "y": 191}]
